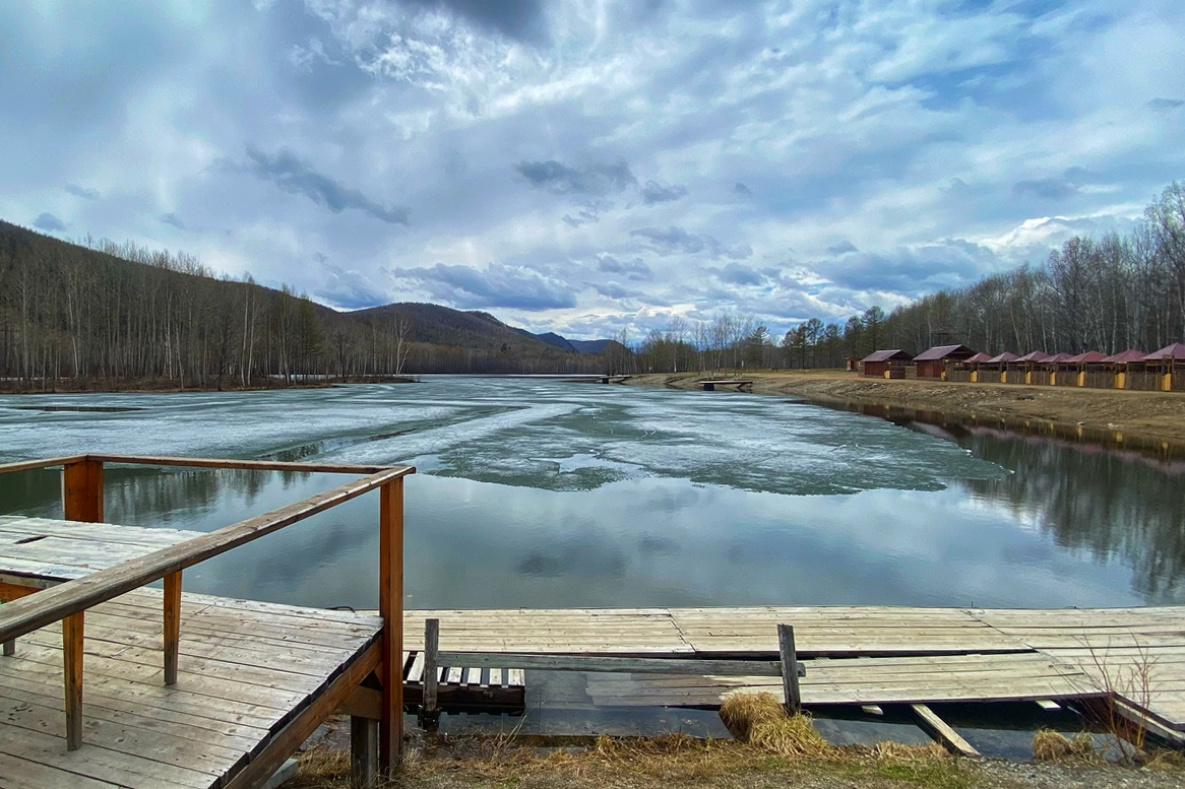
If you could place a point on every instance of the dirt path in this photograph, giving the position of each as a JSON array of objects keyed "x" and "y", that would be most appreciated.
[{"x": 1147, "y": 416}]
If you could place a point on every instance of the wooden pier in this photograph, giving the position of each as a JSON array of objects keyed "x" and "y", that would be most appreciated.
[
  {"x": 155, "y": 688},
  {"x": 1134, "y": 657}
]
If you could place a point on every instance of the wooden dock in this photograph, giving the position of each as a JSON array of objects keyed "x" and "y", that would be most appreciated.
[
  {"x": 107, "y": 683},
  {"x": 859, "y": 655}
]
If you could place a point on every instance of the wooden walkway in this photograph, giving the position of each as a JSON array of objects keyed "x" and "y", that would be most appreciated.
[
  {"x": 248, "y": 671},
  {"x": 858, "y": 655}
]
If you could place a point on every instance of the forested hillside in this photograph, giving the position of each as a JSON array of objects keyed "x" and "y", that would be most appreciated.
[{"x": 116, "y": 314}]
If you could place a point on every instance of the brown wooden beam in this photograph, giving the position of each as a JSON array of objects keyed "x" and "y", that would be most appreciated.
[
  {"x": 82, "y": 491},
  {"x": 391, "y": 609},
  {"x": 789, "y": 655},
  {"x": 231, "y": 463},
  {"x": 72, "y": 645},
  {"x": 324, "y": 702},
  {"x": 31, "y": 465},
  {"x": 172, "y": 633}
]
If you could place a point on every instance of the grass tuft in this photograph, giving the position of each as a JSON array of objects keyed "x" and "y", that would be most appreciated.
[
  {"x": 1052, "y": 746},
  {"x": 760, "y": 720}
]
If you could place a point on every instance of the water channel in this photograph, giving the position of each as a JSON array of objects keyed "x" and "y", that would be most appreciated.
[{"x": 544, "y": 493}]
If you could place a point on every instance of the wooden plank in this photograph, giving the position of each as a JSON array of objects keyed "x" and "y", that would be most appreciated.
[
  {"x": 228, "y": 463},
  {"x": 364, "y": 751},
  {"x": 72, "y": 642},
  {"x": 22, "y": 773},
  {"x": 35, "y": 611},
  {"x": 1048, "y": 705},
  {"x": 742, "y": 668},
  {"x": 950, "y": 738},
  {"x": 429, "y": 711},
  {"x": 391, "y": 609},
  {"x": 172, "y": 626},
  {"x": 31, "y": 465}
]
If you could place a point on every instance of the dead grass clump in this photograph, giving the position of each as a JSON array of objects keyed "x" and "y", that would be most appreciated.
[
  {"x": 760, "y": 720},
  {"x": 322, "y": 767},
  {"x": 900, "y": 752},
  {"x": 1052, "y": 746}
]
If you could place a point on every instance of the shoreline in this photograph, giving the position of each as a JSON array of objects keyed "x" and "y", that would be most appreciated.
[{"x": 1153, "y": 421}]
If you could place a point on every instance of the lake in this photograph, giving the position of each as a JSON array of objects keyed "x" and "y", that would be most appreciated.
[{"x": 543, "y": 493}]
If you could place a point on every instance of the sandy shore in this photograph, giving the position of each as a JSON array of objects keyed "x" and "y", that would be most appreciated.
[{"x": 1134, "y": 416}]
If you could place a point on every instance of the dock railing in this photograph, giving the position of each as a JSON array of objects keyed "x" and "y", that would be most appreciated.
[{"x": 82, "y": 500}]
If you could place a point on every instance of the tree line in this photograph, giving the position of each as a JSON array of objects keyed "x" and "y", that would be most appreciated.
[{"x": 108, "y": 314}]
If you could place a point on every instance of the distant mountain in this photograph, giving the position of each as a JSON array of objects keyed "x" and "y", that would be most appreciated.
[{"x": 590, "y": 346}]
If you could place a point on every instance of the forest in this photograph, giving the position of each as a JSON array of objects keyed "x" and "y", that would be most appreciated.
[
  {"x": 106, "y": 315},
  {"x": 1109, "y": 294}
]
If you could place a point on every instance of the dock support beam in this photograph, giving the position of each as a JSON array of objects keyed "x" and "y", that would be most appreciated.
[
  {"x": 789, "y": 669},
  {"x": 364, "y": 751},
  {"x": 82, "y": 500},
  {"x": 391, "y": 609}
]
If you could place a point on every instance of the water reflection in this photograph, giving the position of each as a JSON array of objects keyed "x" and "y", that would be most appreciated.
[{"x": 1106, "y": 502}]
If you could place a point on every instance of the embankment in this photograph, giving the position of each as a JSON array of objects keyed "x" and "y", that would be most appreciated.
[{"x": 1134, "y": 416}]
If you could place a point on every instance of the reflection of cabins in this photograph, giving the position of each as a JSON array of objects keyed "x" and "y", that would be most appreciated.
[
  {"x": 1024, "y": 366},
  {"x": 932, "y": 363},
  {"x": 885, "y": 364},
  {"x": 1168, "y": 364},
  {"x": 999, "y": 365}
]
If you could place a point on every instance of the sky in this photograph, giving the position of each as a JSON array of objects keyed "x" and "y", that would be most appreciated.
[{"x": 589, "y": 167}]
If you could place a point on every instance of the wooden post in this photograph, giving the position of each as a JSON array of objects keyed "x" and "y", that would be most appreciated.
[
  {"x": 391, "y": 609},
  {"x": 789, "y": 669},
  {"x": 10, "y": 647},
  {"x": 82, "y": 491},
  {"x": 72, "y": 657},
  {"x": 364, "y": 740},
  {"x": 429, "y": 713},
  {"x": 172, "y": 635}
]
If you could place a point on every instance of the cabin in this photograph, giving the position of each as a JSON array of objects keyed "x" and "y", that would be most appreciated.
[
  {"x": 1026, "y": 364},
  {"x": 999, "y": 365},
  {"x": 1169, "y": 364},
  {"x": 932, "y": 362},
  {"x": 1124, "y": 365},
  {"x": 885, "y": 364},
  {"x": 1089, "y": 370},
  {"x": 971, "y": 366}
]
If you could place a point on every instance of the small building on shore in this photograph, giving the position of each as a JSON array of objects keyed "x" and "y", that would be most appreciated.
[
  {"x": 885, "y": 364},
  {"x": 1168, "y": 364},
  {"x": 932, "y": 362},
  {"x": 1089, "y": 369}
]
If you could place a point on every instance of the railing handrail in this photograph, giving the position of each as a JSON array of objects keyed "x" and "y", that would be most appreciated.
[
  {"x": 224, "y": 463},
  {"x": 32, "y": 612}
]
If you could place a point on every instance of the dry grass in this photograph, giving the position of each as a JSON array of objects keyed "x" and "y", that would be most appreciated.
[
  {"x": 760, "y": 720},
  {"x": 1052, "y": 746}
]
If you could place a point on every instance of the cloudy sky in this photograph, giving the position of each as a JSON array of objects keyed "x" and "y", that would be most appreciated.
[{"x": 585, "y": 166}]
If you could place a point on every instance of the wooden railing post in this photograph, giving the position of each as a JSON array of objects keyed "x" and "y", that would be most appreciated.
[
  {"x": 789, "y": 669},
  {"x": 391, "y": 609},
  {"x": 82, "y": 491},
  {"x": 172, "y": 634},
  {"x": 72, "y": 660}
]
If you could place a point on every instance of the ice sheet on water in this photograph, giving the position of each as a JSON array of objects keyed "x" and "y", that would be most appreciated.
[{"x": 542, "y": 434}]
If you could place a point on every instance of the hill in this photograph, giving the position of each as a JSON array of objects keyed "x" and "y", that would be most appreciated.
[{"x": 113, "y": 315}]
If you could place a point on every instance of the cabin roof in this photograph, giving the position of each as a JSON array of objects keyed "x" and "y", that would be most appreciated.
[
  {"x": 1033, "y": 356},
  {"x": 1176, "y": 351},
  {"x": 892, "y": 354},
  {"x": 1059, "y": 358},
  {"x": 1130, "y": 355},
  {"x": 1007, "y": 356},
  {"x": 1090, "y": 357},
  {"x": 979, "y": 357},
  {"x": 944, "y": 352}
]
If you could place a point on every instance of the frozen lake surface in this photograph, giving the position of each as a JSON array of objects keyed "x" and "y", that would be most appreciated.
[{"x": 542, "y": 493}]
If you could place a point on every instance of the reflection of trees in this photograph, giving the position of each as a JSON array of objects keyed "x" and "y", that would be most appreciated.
[
  {"x": 143, "y": 496},
  {"x": 1094, "y": 499}
]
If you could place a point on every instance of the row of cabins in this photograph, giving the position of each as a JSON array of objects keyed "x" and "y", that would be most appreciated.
[{"x": 1162, "y": 370}]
